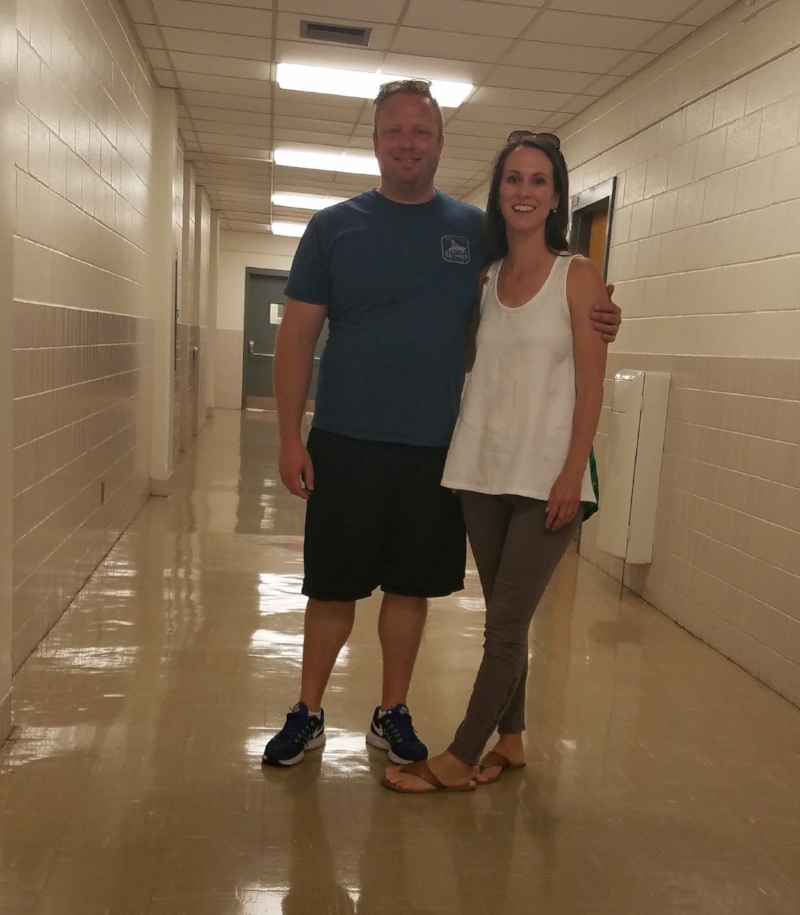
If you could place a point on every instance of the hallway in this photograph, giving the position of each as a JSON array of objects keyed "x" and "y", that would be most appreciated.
[{"x": 661, "y": 777}]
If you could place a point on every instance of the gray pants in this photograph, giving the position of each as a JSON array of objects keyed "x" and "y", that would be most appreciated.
[{"x": 516, "y": 556}]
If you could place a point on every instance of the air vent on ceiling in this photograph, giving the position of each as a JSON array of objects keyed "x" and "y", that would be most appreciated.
[{"x": 338, "y": 34}]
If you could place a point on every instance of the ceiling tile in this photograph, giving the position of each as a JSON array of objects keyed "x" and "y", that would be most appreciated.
[
  {"x": 327, "y": 55},
  {"x": 323, "y": 107},
  {"x": 319, "y": 107},
  {"x": 235, "y": 225},
  {"x": 531, "y": 4},
  {"x": 577, "y": 103},
  {"x": 502, "y": 21},
  {"x": 197, "y": 41},
  {"x": 525, "y": 99},
  {"x": 594, "y": 31},
  {"x": 667, "y": 37},
  {"x": 295, "y": 179},
  {"x": 600, "y": 85},
  {"x": 655, "y": 10},
  {"x": 702, "y": 13},
  {"x": 555, "y": 56},
  {"x": 206, "y": 82},
  {"x": 252, "y": 152},
  {"x": 224, "y": 116},
  {"x": 214, "y": 17},
  {"x": 324, "y": 139},
  {"x": 220, "y": 99},
  {"x": 353, "y": 12},
  {"x": 229, "y": 184},
  {"x": 449, "y": 45},
  {"x": 556, "y": 120},
  {"x": 469, "y": 143},
  {"x": 632, "y": 63},
  {"x": 498, "y": 130},
  {"x": 333, "y": 128},
  {"x": 436, "y": 68},
  {"x": 221, "y": 66},
  {"x": 542, "y": 80},
  {"x": 230, "y": 139}
]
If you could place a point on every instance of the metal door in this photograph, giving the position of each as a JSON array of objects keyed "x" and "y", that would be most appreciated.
[{"x": 263, "y": 310}]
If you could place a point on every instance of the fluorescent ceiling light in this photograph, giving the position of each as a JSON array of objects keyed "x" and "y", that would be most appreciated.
[
  {"x": 304, "y": 201},
  {"x": 360, "y": 84},
  {"x": 293, "y": 229},
  {"x": 352, "y": 163}
]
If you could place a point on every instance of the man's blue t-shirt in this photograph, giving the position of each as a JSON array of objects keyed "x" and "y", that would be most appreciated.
[{"x": 399, "y": 281}]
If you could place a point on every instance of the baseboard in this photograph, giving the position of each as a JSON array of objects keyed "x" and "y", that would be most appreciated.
[
  {"x": 160, "y": 487},
  {"x": 264, "y": 404}
]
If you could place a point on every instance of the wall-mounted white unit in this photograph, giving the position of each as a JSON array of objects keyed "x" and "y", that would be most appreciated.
[{"x": 629, "y": 486}]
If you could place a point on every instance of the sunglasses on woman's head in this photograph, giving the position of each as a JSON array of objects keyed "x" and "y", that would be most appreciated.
[{"x": 516, "y": 135}]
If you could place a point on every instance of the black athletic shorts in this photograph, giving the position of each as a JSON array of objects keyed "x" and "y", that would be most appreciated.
[{"x": 379, "y": 517}]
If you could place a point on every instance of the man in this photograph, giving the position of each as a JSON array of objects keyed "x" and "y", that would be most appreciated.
[{"x": 395, "y": 272}]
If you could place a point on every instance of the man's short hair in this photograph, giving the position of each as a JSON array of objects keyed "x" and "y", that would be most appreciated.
[{"x": 420, "y": 87}]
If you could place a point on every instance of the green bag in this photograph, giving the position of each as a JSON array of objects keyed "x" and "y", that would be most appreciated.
[{"x": 589, "y": 508}]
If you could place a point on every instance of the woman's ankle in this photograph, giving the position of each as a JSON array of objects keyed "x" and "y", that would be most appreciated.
[
  {"x": 510, "y": 744},
  {"x": 452, "y": 763},
  {"x": 449, "y": 768}
]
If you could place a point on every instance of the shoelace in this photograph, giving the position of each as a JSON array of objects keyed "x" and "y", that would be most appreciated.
[
  {"x": 399, "y": 726},
  {"x": 299, "y": 726}
]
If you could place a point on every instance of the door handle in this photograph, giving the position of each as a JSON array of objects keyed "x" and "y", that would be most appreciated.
[{"x": 253, "y": 352}]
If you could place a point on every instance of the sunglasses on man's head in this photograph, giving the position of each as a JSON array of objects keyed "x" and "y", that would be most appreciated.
[
  {"x": 516, "y": 135},
  {"x": 419, "y": 84}
]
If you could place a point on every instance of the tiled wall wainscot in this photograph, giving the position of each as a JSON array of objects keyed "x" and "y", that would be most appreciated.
[
  {"x": 726, "y": 562},
  {"x": 81, "y": 452}
]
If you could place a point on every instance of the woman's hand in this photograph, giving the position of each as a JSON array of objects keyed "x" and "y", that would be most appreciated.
[
  {"x": 607, "y": 317},
  {"x": 564, "y": 501}
]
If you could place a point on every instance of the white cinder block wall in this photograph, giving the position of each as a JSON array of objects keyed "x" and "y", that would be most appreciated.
[
  {"x": 7, "y": 110},
  {"x": 83, "y": 319},
  {"x": 82, "y": 322},
  {"x": 706, "y": 257}
]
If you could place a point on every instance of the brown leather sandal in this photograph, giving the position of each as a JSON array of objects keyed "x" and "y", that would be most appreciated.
[
  {"x": 494, "y": 759},
  {"x": 422, "y": 770}
]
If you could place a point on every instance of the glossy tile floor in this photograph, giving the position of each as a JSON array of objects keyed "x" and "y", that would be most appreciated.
[{"x": 661, "y": 778}]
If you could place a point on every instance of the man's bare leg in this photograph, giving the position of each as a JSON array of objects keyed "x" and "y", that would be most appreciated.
[
  {"x": 328, "y": 625},
  {"x": 400, "y": 626}
]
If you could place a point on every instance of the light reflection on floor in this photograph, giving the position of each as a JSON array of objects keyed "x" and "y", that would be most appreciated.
[{"x": 661, "y": 778}]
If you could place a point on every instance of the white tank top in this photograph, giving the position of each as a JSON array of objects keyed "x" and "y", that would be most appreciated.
[{"x": 515, "y": 425}]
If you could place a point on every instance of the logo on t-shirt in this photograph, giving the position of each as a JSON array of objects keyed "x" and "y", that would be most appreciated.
[{"x": 455, "y": 248}]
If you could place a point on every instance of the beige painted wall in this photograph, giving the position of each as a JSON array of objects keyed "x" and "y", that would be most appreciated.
[{"x": 706, "y": 258}]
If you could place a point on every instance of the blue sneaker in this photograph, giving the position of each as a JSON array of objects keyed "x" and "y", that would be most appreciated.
[
  {"x": 393, "y": 731},
  {"x": 301, "y": 732}
]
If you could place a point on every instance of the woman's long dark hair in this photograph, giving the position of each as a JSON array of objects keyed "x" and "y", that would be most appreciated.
[{"x": 555, "y": 229}]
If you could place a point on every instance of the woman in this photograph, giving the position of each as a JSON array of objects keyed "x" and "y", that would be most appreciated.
[{"x": 520, "y": 453}]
